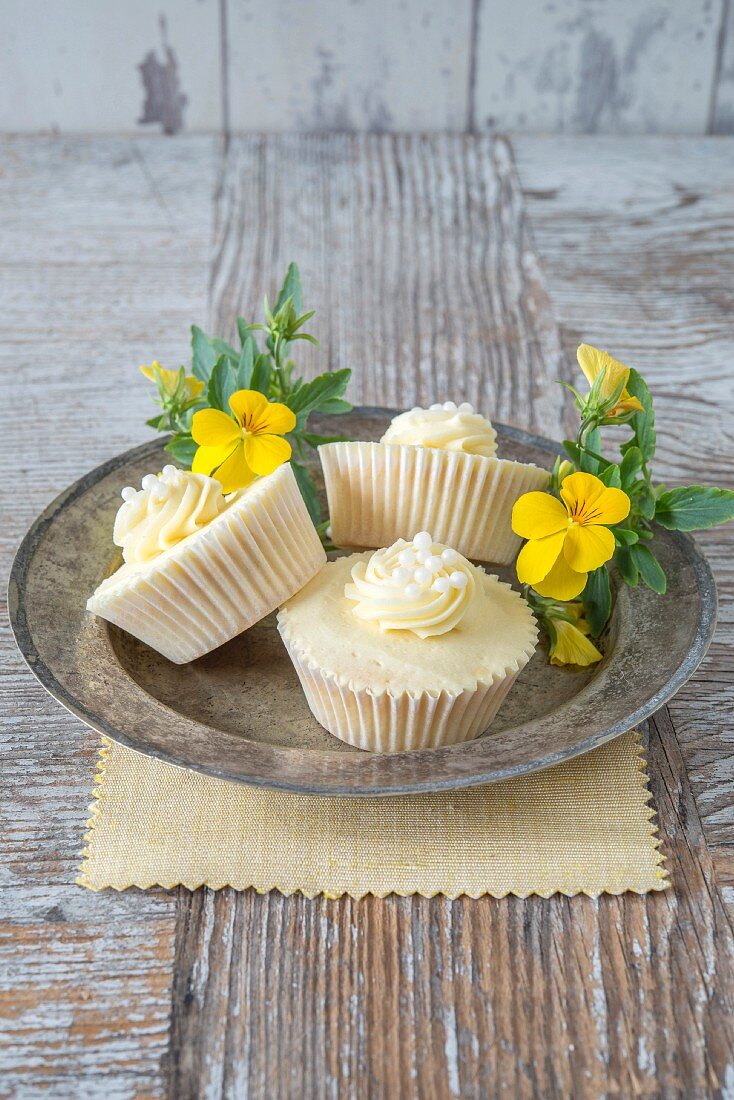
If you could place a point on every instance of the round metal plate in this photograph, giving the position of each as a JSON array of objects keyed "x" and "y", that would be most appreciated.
[{"x": 239, "y": 712}]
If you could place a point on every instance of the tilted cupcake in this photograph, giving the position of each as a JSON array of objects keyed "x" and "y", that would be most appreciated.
[
  {"x": 200, "y": 567},
  {"x": 435, "y": 468},
  {"x": 410, "y": 647}
]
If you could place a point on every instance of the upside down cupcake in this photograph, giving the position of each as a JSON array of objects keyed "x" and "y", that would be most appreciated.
[
  {"x": 410, "y": 647},
  {"x": 435, "y": 468},
  {"x": 199, "y": 566}
]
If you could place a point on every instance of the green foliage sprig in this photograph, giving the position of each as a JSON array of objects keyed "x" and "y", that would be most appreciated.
[{"x": 223, "y": 369}]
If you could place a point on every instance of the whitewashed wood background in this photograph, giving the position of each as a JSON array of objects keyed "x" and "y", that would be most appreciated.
[{"x": 587, "y": 66}]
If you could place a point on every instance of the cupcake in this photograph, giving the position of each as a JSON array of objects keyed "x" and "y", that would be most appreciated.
[
  {"x": 199, "y": 566},
  {"x": 435, "y": 468},
  {"x": 410, "y": 647}
]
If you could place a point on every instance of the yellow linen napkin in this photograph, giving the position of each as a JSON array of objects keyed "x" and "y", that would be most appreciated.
[{"x": 581, "y": 827}]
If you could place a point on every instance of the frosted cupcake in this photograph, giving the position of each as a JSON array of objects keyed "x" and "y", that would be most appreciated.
[
  {"x": 200, "y": 567},
  {"x": 411, "y": 647},
  {"x": 435, "y": 468}
]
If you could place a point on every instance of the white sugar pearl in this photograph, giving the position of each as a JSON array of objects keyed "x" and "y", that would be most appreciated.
[
  {"x": 327, "y": 532},
  {"x": 434, "y": 563},
  {"x": 422, "y": 541},
  {"x": 441, "y": 584},
  {"x": 435, "y": 408},
  {"x": 422, "y": 556},
  {"x": 422, "y": 576},
  {"x": 449, "y": 406},
  {"x": 465, "y": 407},
  {"x": 449, "y": 556},
  {"x": 458, "y": 580},
  {"x": 401, "y": 574},
  {"x": 406, "y": 557},
  {"x": 149, "y": 482},
  {"x": 129, "y": 493},
  {"x": 413, "y": 591},
  {"x": 169, "y": 471}
]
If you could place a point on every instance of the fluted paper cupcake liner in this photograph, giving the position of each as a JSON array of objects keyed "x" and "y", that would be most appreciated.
[
  {"x": 386, "y": 723},
  {"x": 222, "y": 580},
  {"x": 381, "y": 492}
]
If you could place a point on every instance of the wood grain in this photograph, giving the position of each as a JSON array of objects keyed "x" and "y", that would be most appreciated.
[
  {"x": 434, "y": 273},
  {"x": 104, "y": 249}
]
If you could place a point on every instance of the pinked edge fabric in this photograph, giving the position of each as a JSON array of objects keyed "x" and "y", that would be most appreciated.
[{"x": 585, "y": 826}]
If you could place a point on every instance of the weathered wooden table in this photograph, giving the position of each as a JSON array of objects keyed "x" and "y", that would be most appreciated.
[{"x": 440, "y": 267}]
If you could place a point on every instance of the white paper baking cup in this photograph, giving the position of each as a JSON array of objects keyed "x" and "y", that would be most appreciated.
[
  {"x": 221, "y": 580},
  {"x": 382, "y": 722},
  {"x": 380, "y": 492}
]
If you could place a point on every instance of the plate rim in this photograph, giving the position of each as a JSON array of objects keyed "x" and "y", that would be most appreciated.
[{"x": 47, "y": 678}]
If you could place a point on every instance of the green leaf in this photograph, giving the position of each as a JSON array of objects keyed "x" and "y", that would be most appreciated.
[
  {"x": 222, "y": 384},
  {"x": 319, "y": 440},
  {"x": 630, "y": 465},
  {"x": 694, "y": 507},
  {"x": 586, "y": 462},
  {"x": 291, "y": 288},
  {"x": 221, "y": 347},
  {"x": 308, "y": 491},
  {"x": 323, "y": 389},
  {"x": 261, "y": 372},
  {"x": 246, "y": 364},
  {"x": 643, "y": 500},
  {"x": 243, "y": 331},
  {"x": 628, "y": 570},
  {"x": 160, "y": 423},
  {"x": 642, "y": 424},
  {"x": 597, "y": 600},
  {"x": 335, "y": 405},
  {"x": 624, "y": 536},
  {"x": 203, "y": 355},
  {"x": 611, "y": 476},
  {"x": 183, "y": 448},
  {"x": 649, "y": 568},
  {"x": 573, "y": 452}
]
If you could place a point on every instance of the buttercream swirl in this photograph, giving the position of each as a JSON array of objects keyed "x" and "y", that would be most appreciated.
[
  {"x": 420, "y": 586},
  {"x": 170, "y": 506},
  {"x": 448, "y": 427}
]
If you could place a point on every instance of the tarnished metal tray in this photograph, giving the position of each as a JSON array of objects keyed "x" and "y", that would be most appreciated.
[{"x": 239, "y": 713}]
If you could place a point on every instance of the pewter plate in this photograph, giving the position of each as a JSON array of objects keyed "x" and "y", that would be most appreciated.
[{"x": 239, "y": 712}]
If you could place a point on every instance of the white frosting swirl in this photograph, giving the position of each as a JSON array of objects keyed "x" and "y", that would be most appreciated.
[
  {"x": 420, "y": 586},
  {"x": 170, "y": 506},
  {"x": 447, "y": 427}
]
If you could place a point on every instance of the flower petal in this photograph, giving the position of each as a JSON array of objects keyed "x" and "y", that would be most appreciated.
[
  {"x": 588, "y": 546},
  {"x": 571, "y": 647},
  {"x": 264, "y": 453},
  {"x": 611, "y": 506},
  {"x": 562, "y": 583},
  {"x": 248, "y": 407},
  {"x": 207, "y": 459},
  {"x": 212, "y": 428},
  {"x": 580, "y": 490},
  {"x": 235, "y": 472},
  {"x": 536, "y": 515},
  {"x": 538, "y": 556},
  {"x": 275, "y": 419},
  {"x": 592, "y": 361}
]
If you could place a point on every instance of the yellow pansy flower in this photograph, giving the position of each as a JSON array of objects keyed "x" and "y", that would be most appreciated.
[
  {"x": 568, "y": 538},
  {"x": 571, "y": 646},
  {"x": 236, "y": 449},
  {"x": 169, "y": 380},
  {"x": 592, "y": 363}
]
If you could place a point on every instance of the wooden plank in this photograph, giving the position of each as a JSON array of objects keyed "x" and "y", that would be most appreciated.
[
  {"x": 104, "y": 249},
  {"x": 636, "y": 239},
  {"x": 721, "y": 119},
  {"x": 422, "y": 251},
  {"x": 604, "y": 68},
  {"x": 90, "y": 67}
]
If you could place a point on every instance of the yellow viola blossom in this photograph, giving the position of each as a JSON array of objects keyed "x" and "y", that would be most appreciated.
[
  {"x": 567, "y": 538},
  {"x": 236, "y": 449},
  {"x": 571, "y": 645},
  {"x": 592, "y": 362},
  {"x": 169, "y": 380}
]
